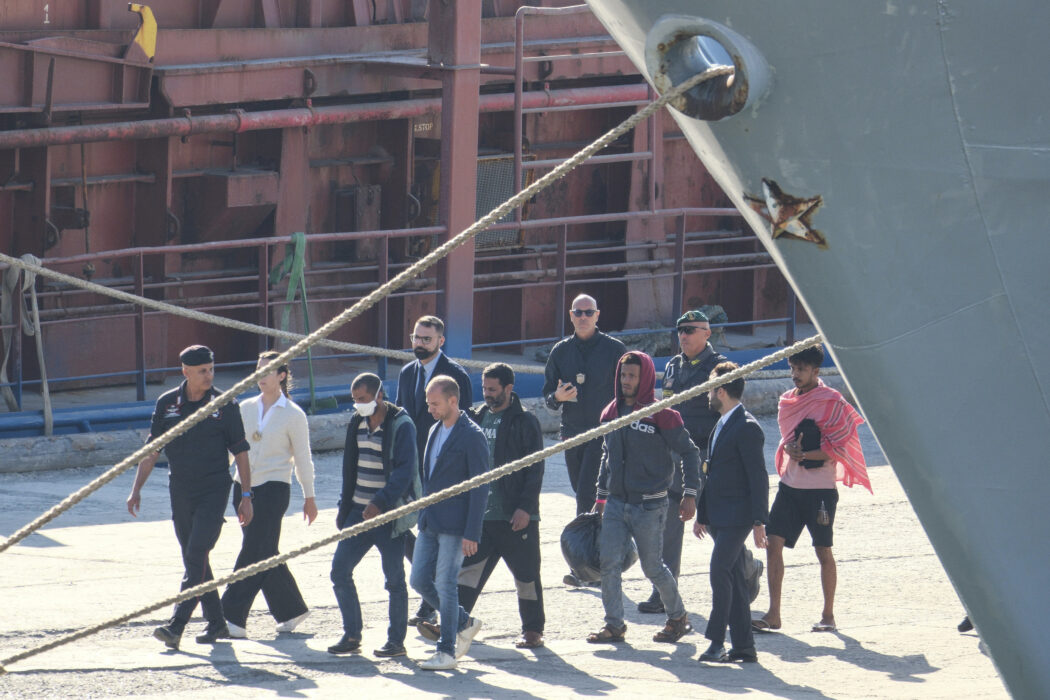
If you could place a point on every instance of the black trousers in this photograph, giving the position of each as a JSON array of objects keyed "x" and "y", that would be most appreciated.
[
  {"x": 260, "y": 540},
  {"x": 730, "y": 603},
  {"x": 521, "y": 551},
  {"x": 583, "y": 462},
  {"x": 198, "y": 520}
]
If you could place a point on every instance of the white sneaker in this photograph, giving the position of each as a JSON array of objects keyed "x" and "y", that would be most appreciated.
[
  {"x": 236, "y": 631},
  {"x": 440, "y": 661},
  {"x": 290, "y": 625},
  {"x": 466, "y": 636}
]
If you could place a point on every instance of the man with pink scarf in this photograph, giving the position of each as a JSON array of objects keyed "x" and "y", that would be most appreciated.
[{"x": 819, "y": 447}]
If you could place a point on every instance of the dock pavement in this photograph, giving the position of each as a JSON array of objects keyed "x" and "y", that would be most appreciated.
[{"x": 895, "y": 608}]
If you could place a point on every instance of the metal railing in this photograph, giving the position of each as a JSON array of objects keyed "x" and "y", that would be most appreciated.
[{"x": 253, "y": 292}]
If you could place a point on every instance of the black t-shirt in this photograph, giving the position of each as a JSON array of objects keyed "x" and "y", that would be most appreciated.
[{"x": 198, "y": 460}]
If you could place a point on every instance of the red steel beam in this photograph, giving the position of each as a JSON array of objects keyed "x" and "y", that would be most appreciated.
[{"x": 238, "y": 120}]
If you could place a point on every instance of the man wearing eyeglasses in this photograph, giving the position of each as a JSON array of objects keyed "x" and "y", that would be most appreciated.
[
  {"x": 427, "y": 338},
  {"x": 579, "y": 380},
  {"x": 685, "y": 370}
]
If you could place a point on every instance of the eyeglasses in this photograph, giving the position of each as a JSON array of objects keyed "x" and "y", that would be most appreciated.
[
  {"x": 584, "y": 312},
  {"x": 424, "y": 339},
  {"x": 689, "y": 330}
]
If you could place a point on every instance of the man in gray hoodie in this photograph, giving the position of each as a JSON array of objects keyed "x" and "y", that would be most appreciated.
[{"x": 634, "y": 476}]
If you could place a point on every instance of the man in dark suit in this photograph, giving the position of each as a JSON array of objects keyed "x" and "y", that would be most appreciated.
[
  {"x": 427, "y": 338},
  {"x": 733, "y": 504},
  {"x": 456, "y": 450}
]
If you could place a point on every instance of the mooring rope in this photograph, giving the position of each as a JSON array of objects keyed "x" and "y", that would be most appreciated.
[
  {"x": 362, "y": 305},
  {"x": 450, "y": 492}
]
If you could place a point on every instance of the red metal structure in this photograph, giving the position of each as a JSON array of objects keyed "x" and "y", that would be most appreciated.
[{"x": 180, "y": 171}]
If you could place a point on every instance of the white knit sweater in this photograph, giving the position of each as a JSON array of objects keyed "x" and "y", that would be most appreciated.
[{"x": 283, "y": 442}]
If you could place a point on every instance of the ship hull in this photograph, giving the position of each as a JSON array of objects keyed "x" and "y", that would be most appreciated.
[{"x": 926, "y": 138}]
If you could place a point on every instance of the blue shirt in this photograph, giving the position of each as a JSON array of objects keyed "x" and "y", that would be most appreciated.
[{"x": 439, "y": 441}]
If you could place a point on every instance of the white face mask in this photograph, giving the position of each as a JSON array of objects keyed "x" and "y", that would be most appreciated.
[{"x": 365, "y": 409}]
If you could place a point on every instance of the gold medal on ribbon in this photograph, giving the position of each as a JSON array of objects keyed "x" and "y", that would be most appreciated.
[{"x": 257, "y": 436}]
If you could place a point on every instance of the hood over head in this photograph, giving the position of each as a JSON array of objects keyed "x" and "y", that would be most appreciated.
[{"x": 666, "y": 419}]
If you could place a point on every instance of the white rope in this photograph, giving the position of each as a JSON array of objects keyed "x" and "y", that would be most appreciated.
[
  {"x": 450, "y": 492},
  {"x": 361, "y": 306}
]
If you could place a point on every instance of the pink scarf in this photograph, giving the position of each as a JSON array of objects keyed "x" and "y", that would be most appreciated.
[{"x": 838, "y": 423}]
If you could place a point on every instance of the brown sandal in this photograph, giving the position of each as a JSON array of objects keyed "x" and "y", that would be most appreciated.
[
  {"x": 529, "y": 640},
  {"x": 674, "y": 630},
  {"x": 607, "y": 635}
]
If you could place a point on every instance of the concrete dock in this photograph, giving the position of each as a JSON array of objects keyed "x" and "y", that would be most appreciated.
[{"x": 895, "y": 609}]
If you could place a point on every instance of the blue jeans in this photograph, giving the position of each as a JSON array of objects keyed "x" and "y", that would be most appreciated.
[
  {"x": 435, "y": 572},
  {"x": 645, "y": 523},
  {"x": 348, "y": 554}
]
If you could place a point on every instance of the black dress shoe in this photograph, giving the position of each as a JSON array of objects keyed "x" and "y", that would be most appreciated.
[
  {"x": 390, "y": 649},
  {"x": 212, "y": 634},
  {"x": 346, "y": 645},
  {"x": 746, "y": 655},
  {"x": 715, "y": 653},
  {"x": 169, "y": 634},
  {"x": 654, "y": 605},
  {"x": 965, "y": 625}
]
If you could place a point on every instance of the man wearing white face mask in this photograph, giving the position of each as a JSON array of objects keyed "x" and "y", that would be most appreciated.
[{"x": 380, "y": 472}]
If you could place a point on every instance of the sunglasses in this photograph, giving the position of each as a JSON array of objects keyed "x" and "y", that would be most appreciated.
[
  {"x": 689, "y": 330},
  {"x": 584, "y": 312}
]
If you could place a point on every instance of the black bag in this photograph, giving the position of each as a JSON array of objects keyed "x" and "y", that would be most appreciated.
[
  {"x": 810, "y": 433},
  {"x": 579, "y": 546}
]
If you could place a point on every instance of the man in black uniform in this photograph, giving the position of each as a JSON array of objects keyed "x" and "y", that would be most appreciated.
[
  {"x": 199, "y": 485},
  {"x": 690, "y": 368},
  {"x": 427, "y": 338},
  {"x": 579, "y": 379}
]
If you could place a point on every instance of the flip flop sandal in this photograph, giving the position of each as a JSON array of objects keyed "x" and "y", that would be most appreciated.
[
  {"x": 762, "y": 626},
  {"x": 823, "y": 627}
]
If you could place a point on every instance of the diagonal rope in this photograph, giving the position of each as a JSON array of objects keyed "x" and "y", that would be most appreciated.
[
  {"x": 364, "y": 304},
  {"x": 433, "y": 498}
]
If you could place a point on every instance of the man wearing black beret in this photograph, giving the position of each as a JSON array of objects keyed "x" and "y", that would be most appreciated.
[{"x": 198, "y": 484}]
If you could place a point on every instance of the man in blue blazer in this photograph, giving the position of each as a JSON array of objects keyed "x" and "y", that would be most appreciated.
[
  {"x": 456, "y": 450},
  {"x": 733, "y": 504},
  {"x": 427, "y": 338}
]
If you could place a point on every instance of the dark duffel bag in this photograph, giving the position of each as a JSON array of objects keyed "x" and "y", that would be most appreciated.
[{"x": 580, "y": 547}]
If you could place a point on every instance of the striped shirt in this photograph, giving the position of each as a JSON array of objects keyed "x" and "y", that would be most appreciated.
[{"x": 370, "y": 476}]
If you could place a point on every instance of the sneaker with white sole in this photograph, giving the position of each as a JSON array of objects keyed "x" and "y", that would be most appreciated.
[
  {"x": 440, "y": 661},
  {"x": 236, "y": 631},
  {"x": 290, "y": 625},
  {"x": 466, "y": 636}
]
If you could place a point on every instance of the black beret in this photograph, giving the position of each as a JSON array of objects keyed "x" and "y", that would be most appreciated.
[{"x": 196, "y": 355}]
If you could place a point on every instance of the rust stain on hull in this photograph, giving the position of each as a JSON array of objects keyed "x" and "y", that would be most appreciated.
[{"x": 789, "y": 216}]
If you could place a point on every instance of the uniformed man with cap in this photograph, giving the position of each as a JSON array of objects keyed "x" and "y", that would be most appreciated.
[
  {"x": 198, "y": 484},
  {"x": 690, "y": 368}
]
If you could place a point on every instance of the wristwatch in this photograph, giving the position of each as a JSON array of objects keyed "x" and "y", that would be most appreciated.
[{"x": 247, "y": 494}]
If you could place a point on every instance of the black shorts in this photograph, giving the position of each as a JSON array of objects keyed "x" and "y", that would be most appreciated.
[{"x": 794, "y": 509}]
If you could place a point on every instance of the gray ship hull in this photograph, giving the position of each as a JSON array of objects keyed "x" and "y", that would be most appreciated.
[{"x": 924, "y": 128}]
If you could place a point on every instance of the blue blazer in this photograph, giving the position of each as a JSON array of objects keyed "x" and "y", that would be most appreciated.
[
  {"x": 737, "y": 489},
  {"x": 464, "y": 455},
  {"x": 406, "y": 394}
]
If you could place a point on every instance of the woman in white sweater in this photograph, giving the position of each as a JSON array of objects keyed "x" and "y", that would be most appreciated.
[{"x": 279, "y": 440}]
